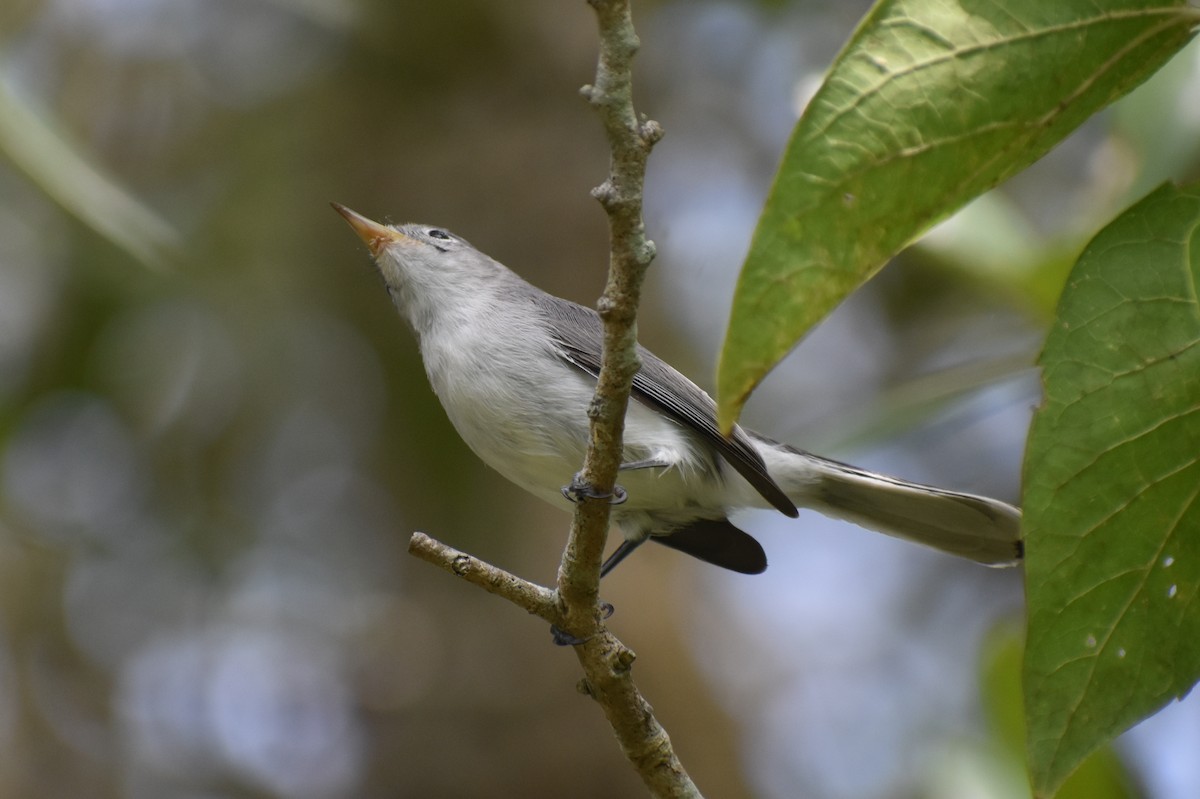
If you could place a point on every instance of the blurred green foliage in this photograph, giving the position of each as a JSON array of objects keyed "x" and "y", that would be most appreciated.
[{"x": 208, "y": 468}]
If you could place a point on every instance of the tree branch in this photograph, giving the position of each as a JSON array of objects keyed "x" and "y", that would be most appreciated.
[
  {"x": 630, "y": 142},
  {"x": 575, "y": 606},
  {"x": 605, "y": 660},
  {"x": 541, "y": 602}
]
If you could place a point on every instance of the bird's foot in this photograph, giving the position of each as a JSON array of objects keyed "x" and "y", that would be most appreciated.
[
  {"x": 564, "y": 638},
  {"x": 578, "y": 490}
]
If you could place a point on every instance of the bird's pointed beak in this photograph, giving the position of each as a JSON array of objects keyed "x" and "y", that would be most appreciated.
[{"x": 374, "y": 235}]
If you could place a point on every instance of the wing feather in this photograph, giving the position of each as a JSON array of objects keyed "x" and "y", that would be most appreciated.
[{"x": 579, "y": 332}]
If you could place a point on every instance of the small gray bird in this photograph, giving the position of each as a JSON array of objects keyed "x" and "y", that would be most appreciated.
[{"x": 515, "y": 369}]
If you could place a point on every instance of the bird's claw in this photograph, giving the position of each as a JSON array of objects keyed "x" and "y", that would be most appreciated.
[
  {"x": 578, "y": 490},
  {"x": 563, "y": 638}
]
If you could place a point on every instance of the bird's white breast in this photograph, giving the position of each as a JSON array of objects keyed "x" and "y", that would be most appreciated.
[{"x": 526, "y": 417}]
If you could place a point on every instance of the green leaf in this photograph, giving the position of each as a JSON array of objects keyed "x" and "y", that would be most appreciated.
[
  {"x": 929, "y": 104},
  {"x": 1101, "y": 776},
  {"x": 1112, "y": 489}
]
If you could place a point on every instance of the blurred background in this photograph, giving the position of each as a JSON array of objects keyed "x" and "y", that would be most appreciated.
[{"x": 216, "y": 435}]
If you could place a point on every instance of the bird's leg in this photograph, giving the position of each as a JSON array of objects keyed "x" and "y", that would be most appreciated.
[
  {"x": 648, "y": 463},
  {"x": 563, "y": 638},
  {"x": 578, "y": 490},
  {"x": 619, "y": 554}
]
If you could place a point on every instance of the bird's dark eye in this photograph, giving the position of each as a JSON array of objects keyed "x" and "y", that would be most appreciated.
[{"x": 438, "y": 234}]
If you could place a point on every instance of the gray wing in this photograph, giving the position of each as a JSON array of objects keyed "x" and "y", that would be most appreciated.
[{"x": 579, "y": 331}]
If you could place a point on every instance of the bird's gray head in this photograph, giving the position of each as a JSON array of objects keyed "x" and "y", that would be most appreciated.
[{"x": 428, "y": 270}]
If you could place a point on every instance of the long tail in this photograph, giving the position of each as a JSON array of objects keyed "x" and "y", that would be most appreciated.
[{"x": 982, "y": 529}]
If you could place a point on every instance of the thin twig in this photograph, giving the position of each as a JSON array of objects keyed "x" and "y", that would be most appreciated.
[
  {"x": 540, "y": 601},
  {"x": 605, "y": 660},
  {"x": 621, "y": 195},
  {"x": 575, "y": 606}
]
